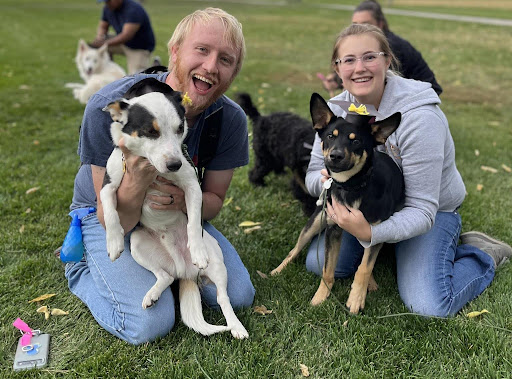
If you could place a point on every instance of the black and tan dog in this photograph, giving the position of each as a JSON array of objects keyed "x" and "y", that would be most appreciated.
[
  {"x": 280, "y": 139},
  {"x": 362, "y": 178}
]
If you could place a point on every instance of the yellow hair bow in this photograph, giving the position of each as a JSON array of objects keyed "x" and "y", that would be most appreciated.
[
  {"x": 361, "y": 110},
  {"x": 186, "y": 100}
]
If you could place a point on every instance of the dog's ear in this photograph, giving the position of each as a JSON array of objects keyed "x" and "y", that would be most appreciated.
[
  {"x": 381, "y": 130},
  {"x": 103, "y": 49},
  {"x": 116, "y": 109},
  {"x": 321, "y": 114},
  {"x": 82, "y": 45}
]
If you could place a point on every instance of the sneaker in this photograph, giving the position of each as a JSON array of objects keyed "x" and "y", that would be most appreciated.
[{"x": 499, "y": 251}]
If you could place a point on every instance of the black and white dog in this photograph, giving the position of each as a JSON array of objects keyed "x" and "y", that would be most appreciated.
[{"x": 170, "y": 244}]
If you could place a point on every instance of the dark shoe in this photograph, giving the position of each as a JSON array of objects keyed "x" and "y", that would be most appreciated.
[{"x": 499, "y": 251}]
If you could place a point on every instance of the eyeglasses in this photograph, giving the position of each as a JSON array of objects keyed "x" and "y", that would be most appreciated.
[{"x": 368, "y": 60}]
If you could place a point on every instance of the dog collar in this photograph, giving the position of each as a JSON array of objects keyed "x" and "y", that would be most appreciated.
[{"x": 355, "y": 183}]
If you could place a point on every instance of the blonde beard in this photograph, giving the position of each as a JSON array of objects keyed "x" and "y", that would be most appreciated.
[{"x": 197, "y": 106}]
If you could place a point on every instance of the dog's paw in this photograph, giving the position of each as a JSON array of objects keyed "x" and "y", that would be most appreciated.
[
  {"x": 356, "y": 300},
  {"x": 115, "y": 247},
  {"x": 199, "y": 255},
  {"x": 372, "y": 284},
  {"x": 150, "y": 299},
  {"x": 239, "y": 332}
]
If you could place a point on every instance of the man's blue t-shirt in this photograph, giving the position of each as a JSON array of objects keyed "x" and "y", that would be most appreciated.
[
  {"x": 133, "y": 13},
  {"x": 95, "y": 144}
]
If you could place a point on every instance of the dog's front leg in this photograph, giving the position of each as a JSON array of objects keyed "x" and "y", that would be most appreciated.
[
  {"x": 108, "y": 195},
  {"x": 332, "y": 250},
  {"x": 194, "y": 201},
  {"x": 313, "y": 227},
  {"x": 362, "y": 279}
]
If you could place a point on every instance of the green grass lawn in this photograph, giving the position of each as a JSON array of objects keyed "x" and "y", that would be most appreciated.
[{"x": 286, "y": 45}]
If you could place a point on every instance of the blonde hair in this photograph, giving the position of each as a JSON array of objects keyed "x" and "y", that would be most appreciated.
[
  {"x": 358, "y": 29},
  {"x": 233, "y": 31}
]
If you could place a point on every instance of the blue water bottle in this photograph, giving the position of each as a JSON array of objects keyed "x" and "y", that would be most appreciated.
[{"x": 73, "y": 247}]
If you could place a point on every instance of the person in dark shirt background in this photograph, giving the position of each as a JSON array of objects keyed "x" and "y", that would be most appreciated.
[{"x": 134, "y": 35}]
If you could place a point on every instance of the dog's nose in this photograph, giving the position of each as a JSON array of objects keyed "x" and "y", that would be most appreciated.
[
  {"x": 173, "y": 165},
  {"x": 336, "y": 156}
]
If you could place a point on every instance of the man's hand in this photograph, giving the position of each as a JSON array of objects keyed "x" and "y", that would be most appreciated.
[{"x": 173, "y": 198}]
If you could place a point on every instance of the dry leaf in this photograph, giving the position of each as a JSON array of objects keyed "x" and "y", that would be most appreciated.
[
  {"x": 261, "y": 309},
  {"x": 228, "y": 201},
  {"x": 28, "y": 210},
  {"x": 489, "y": 169},
  {"x": 22, "y": 229},
  {"x": 477, "y": 152},
  {"x": 250, "y": 230},
  {"x": 42, "y": 297},
  {"x": 31, "y": 190},
  {"x": 479, "y": 187},
  {"x": 238, "y": 208},
  {"x": 24, "y": 87},
  {"x": 262, "y": 274},
  {"x": 345, "y": 323},
  {"x": 304, "y": 370},
  {"x": 494, "y": 123},
  {"x": 44, "y": 309},
  {"x": 249, "y": 223},
  {"x": 58, "y": 312},
  {"x": 477, "y": 313},
  {"x": 36, "y": 142},
  {"x": 506, "y": 168}
]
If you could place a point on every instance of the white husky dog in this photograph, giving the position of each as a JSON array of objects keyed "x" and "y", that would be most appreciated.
[{"x": 95, "y": 68}]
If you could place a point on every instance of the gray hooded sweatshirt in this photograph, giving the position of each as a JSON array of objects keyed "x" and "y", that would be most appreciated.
[{"x": 422, "y": 147}]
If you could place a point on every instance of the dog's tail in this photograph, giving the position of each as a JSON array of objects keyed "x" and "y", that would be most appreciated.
[
  {"x": 192, "y": 312},
  {"x": 244, "y": 100}
]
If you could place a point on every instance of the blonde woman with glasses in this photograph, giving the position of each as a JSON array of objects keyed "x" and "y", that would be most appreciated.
[{"x": 436, "y": 276}]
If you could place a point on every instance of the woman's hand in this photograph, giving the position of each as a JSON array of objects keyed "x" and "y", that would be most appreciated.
[
  {"x": 325, "y": 175},
  {"x": 173, "y": 198},
  {"x": 351, "y": 220}
]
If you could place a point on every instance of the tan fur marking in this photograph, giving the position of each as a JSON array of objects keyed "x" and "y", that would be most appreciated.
[
  {"x": 327, "y": 152},
  {"x": 335, "y": 132},
  {"x": 351, "y": 136},
  {"x": 155, "y": 125},
  {"x": 134, "y": 134}
]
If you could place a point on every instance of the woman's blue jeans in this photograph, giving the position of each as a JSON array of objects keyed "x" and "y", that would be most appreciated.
[
  {"x": 113, "y": 291},
  {"x": 435, "y": 275}
]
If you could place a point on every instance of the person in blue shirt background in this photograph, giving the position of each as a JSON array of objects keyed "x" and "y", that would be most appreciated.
[{"x": 134, "y": 35}]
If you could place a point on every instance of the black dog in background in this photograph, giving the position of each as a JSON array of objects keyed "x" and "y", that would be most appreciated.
[{"x": 280, "y": 140}]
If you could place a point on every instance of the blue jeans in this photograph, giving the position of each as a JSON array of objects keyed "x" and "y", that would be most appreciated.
[
  {"x": 435, "y": 276},
  {"x": 113, "y": 291}
]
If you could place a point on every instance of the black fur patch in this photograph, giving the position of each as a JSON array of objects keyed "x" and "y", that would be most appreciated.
[{"x": 140, "y": 121}]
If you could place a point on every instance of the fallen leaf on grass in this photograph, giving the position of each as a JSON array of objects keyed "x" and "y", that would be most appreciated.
[
  {"x": 477, "y": 313},
  {"x": 494, "y": 123},
  {"x": 42, "y": 297},
  {"x": 31, "y": 190},
  {"x": 36, "y": 142},
  {"x": 58, "y": 312},
  {"x": 489, "y": 169},
  {"x": 44, "y": 309},
  {"x": 237, "y": 208},
  {"x": 304, "y": 370},
  {"x": 479, "y": 187},
  {"x": 22, "y": 228},
  {"x": 228, "y": 201},
  {"x": 345, "y": 323},
  {"x": 506, "y": 168},
  {"x": 250, "y": 230},
  {"x": 28, "y": 210},
  {"x": 261, "y": 309},
  {"x": 477, "y": 152},
  {"x": 249, "y": 223},
  {"x": 262, "y": 274}
]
